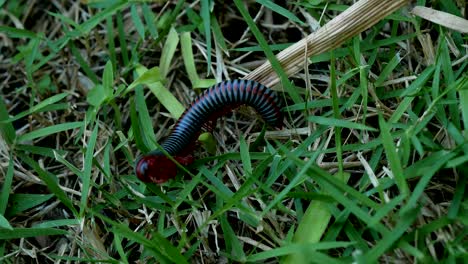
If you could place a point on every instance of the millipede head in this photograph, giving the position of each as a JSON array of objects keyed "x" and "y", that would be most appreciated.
[{"x": 155, "y": 168}]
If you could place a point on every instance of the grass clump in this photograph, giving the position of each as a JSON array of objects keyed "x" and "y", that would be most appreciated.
[{"x": 370, "y": 166}]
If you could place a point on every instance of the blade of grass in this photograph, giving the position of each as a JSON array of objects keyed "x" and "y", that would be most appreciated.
[
  {"x": 309, "y": 249},
  {"x": 31, "y": 57},
  {"x": 449, "y": 78},
  {"x": 150, "y": 21},
  {"x": 144, "y": 119},
  {"x": 83, "y": 64},
  {"x": 137, "y": 129},
  {"x": 187, "y": 55},
  {"x": 7, "y": 131},
  {"x": 4, "y": 224},
  {"x": 420, "y": 188},
  {"x": 170, "y": 20},
  {"x": 387, "y": 71},
  {"x": 23, "y": 201},
  {"x": 70, "y": 166},
  {"x": 312, "y": 226},
  {"x": 233, "y": 245},
  {"x": 30, "y": 232},
  {"x": 50, "y": 180},
  {"x": 168, "y": 52},
  {"x": 387, "y": 241},
  {"x": 280, "y": 10},
  {"x": 166, "y": 98},
  {"x": 339, "y": 123},
  {"x": 118, "y": 246},
  {"x": 108, "y": 80},
  {"x": 47, "y": 102},
  {"x": 100, "y": 16},
  {"x": 158, "y": 243},
  {"x": 459, "y": 195},
  {"x": 6, "y": 188},
  {"x": 419, "y": 83},
  {"x": 17, "y": 32},
  {"x": 268, "y": 52},
  {"x": 43, "y": 151},
  {"x": 111, "y": 43},
  {"x": 205, "y": 15},
  {"x": 145, "y": 76},
  {"x": 58, "y": 223},
  {"x": 245, "y": 157},
  {"x": 46, "y": 131},
  {"x": 87, "y": 168},
  {"x": 336, "y": 113},
  {"x": 122, "y": 39},
  {"x": 392, "y": 156},
  {"x": 218, "y": 34}
]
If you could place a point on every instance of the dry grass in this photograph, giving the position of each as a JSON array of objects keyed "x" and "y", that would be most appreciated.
[{"x": 371, "y": 164}]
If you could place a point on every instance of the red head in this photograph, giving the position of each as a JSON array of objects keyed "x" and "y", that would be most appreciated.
[{"x": 155, "y": 168}]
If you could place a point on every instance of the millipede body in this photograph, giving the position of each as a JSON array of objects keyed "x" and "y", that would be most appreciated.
[{"x": 227, "y": 95}]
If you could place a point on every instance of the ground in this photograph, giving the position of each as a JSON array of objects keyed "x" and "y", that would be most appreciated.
[{"x": 370, "y": 164}]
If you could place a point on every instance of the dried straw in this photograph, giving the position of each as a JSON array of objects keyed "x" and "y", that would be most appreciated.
[{"x": 357, "y": 18}]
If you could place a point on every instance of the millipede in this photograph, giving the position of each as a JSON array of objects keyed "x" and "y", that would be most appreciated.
[{"x": 208, "y": 106}]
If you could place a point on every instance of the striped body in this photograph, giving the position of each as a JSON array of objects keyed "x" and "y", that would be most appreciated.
[{"x": 213, "y": 102}]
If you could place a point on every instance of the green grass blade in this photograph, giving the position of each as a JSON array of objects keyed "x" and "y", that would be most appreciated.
[
  {"x": 167, "y": 99},
  {"x": 388, "y": 240},
  {"x": 168, "y": 52},
  {"x": 6, "y": 186},
  {"x": 145, "y": 76},
  {"x": 50, "y": 180},
  {"x": 233, "y": 245},
  {"x": 392, "y": 156},
  {"x": 218, "y": 34},
  {"x": 47, "y": 131},
  {"x": 4, "y": 224},
  {"x": 245, "y": 156},
  {"x": 150, "y": 21},
  {"x": 187, "y": 55},
  {"x": 205, "y": 15},
  {"x": 309, "y": 249},
  {"x": 100, "y": 16},
  {"x": 144, "y": 119},
  {"x": 23, "y": 201},
  {"x": 111, "y": 43},
  {"x": 158, "y": 243},
  {"x": 46, "y": 103},
  {"x": 83, "y": 64},
  {"x": 70, "y": 166},
  {"x": 122, "y": 38},
  {"x": 87, "y": 167},
  {"x": 108, "y": 80},
  {"x": 420, "y": 188},
  {"x": 312, "y": 226},
  {"x": 7, "y": 131},
  {"x": 140, "y": 28},
  {"x": 419, "y": 83},
  {"x": 58, "y": 223},
  {"x": 460, "y": 194},
  {"x": 333, "y": 122},
  {"x": 17, "y": 32},
  {"x": 30, "y": 232},
  {"x": 280, "y": 10},
  {"x": 268, "y": 52},
  {"x": 387, "y": 71}
]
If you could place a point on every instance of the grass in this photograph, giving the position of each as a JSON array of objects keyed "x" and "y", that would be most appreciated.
[{"x": 370, "y": 166}]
